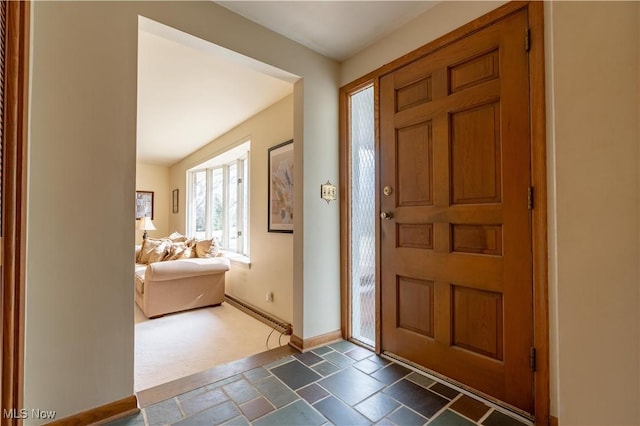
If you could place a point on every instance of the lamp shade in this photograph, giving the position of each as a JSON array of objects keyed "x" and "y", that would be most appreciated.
[{"x": 145, "y": 224}]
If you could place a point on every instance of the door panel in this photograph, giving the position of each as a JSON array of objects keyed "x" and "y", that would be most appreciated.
[{"x": 456, "y": 277}]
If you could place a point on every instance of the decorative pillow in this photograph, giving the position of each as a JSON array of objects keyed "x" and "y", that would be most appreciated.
[
  {"x": 206, "y": 248},
  {"x": 153, "y": 250},
  {"x": 177, "y": 237},
  {"x": 188, "y": 253},
  {"x": 179, "y": 251}
]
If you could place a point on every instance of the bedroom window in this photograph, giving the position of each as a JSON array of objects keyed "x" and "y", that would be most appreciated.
[{"x": 218, "y": 199}]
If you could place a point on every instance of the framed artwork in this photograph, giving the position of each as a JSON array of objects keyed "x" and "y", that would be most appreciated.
[
  {"x": 280, "y": 201},
  {"x": 144, "y": 204},
  {"x": 174, "y": 198}
]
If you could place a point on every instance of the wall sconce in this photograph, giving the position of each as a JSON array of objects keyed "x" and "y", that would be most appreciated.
[{"x": 328, "y": 192}]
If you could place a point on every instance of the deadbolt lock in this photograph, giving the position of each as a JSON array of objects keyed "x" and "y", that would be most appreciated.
[{"x": 387, "y": 190}]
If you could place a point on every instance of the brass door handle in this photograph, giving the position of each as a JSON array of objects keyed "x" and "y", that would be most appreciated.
[{"x": 386, "y": 215}]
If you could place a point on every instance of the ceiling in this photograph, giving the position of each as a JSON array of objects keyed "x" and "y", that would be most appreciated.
[
  {"x": 191, "y": 92},
  {"x": 337, "y": 29}
]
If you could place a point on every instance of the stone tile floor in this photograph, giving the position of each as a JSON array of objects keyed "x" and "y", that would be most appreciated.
[{"x": 339, "y": 384}]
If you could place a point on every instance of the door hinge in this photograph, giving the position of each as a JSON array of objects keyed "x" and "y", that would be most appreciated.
[
  {"x": 532, "y": 359},
  {"x": 527, "y": 42},
  {"x": 530, "y": 198}
]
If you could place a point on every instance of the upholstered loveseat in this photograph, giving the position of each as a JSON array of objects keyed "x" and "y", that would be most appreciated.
[{"x": 177, "y": 274}]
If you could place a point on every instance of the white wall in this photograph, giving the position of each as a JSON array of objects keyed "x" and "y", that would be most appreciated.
[
  {"x": 592, "y": 69},
  {"x": 271, "y": 253},
  {"x": 79, "y": 304},
  {"x": 153, "y": 177}
]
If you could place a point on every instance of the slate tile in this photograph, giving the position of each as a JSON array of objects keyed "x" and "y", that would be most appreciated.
[
  {"x": 420, "y": 379},
  {"x": 376, "y": 407},
  {"x": 449, "y": 418},
  {"x": 240, "y": 391},
  {"x": 343, "y": 346},
  {"x": 276, "y": 392},
  {"x": 211, "y": 416},
  {"x": 191, "y": 394},
  {"x": 322, "y": 350},
  {"x": 279, "y": 362},
  {"x": 444, "y": 390},
  {"x": 379, "y": 360},
  {"x": 297, "y": 413},
  {"x": 498, "y": 419},
  {"x": 340, "y": 414},
  {"x": 312, "y": 393},
  {"x": 237, "y": 421},
  {"x": 224, "y": 382},
  {"x": 416, "y": 397},
  {"x": 405, "y": 417},
  {"x": 295, "y": 374},
  {"x": 391, "y": 373},
  {"x": 256, "y": 374},
  {"x": 203, "y": 401},
  {"x": 163, "y": 412},
  {"x": 351, "y": 385},
  {"x": 308, "y": 358},
  {"x": 470, "y": 407},
  {"x": 256, "y": 408},
  {"x": 367, "y": 366},
  {"x": 339, "y": 359},
  {"x": 326, "y": 368},
  {"x": 359, "y": 354}
]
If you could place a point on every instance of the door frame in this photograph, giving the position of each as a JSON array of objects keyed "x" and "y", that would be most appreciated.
[
  {"x": 14, "y": 190},
  {"x": 537, "y": 120}
]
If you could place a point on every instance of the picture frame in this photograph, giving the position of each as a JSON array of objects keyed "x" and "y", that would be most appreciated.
[
  {"x": 144, "y": 204},
  {"x": 280, "y": 194},
  {"x": 174, "y": 201}
]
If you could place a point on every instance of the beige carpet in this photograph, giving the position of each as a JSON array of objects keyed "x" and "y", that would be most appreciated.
[{"x": 185, "y": 343}]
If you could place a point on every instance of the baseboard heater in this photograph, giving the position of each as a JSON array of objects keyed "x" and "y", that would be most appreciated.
[{"x": 270, "y": 320}]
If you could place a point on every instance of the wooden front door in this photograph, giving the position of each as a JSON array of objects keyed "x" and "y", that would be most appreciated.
[{"x": 455, "y": 227}]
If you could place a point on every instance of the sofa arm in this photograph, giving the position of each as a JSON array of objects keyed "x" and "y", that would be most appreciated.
[{"x": 184, "y": 268}]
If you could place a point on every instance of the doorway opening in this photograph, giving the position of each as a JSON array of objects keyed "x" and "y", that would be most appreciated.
[{"x": 198, "y": 106}]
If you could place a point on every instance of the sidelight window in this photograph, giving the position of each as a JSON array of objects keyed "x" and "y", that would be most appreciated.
[{"x": 362, "y": 213}]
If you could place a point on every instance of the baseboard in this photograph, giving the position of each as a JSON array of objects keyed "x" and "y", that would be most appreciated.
[
  {"x": 259, "y": 314},
  {"x": 100, "y": 415},
  {"x": 314, "y": 342},
  {"x": 553, "y": 421}
]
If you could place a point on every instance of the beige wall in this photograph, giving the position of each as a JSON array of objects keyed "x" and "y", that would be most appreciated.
[
  {"x": 152, "y": 177},
  {"x": 441, "y": 19},
  {"x": 593, "y": 136},
  {"x": 79, "y": 304},
  {"x": 82, "y": 148},
  {"x": 271, "y": 253}
]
